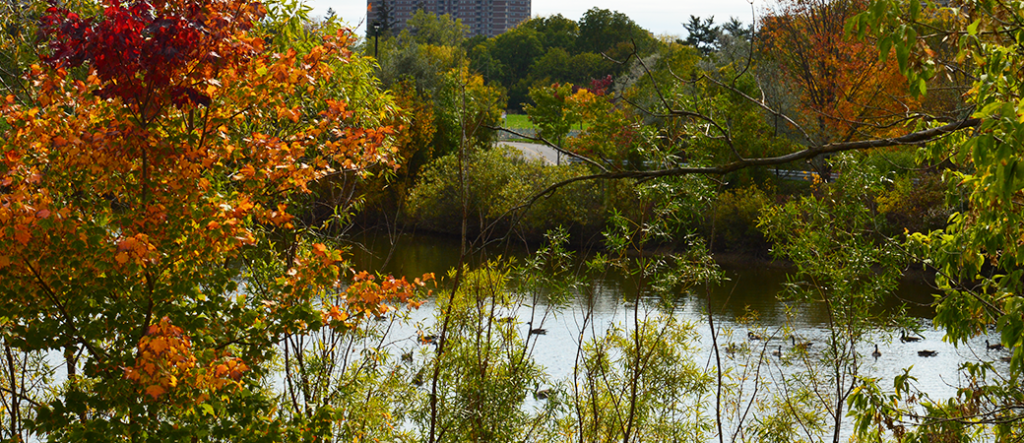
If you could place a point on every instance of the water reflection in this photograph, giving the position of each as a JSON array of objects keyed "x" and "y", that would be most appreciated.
[{"x": 748, "y": 288}]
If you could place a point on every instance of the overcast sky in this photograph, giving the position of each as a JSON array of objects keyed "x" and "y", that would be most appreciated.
[{"x": 657, "y": 16}]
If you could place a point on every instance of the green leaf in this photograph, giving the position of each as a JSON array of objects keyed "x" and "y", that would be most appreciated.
[
  {"x": 972, "y": 29},
  {"x": 884, "y": 45},
  {"x": 1009, "y": 180},
  {"x": 902, "y": 56}
]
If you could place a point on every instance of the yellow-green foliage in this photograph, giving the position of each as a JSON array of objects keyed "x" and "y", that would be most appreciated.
[
  {"x": 654, "y": 362},
  {"x": 498, "y": 181},
  {"x": 733, "y": 218},
  {"x": 916, "y": 204},
  {"x": 484, "y": 373}
]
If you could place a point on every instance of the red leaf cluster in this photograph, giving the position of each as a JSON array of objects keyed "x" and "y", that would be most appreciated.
[{"x": 139, "y": 49}]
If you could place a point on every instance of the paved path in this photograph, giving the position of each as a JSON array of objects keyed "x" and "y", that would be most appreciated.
[
  {"x": 534, "y": 150},
  {"x": 550, "y": 156}
]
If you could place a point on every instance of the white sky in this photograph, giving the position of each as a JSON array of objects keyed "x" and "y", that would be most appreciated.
[{"x": 658, "y": 16}]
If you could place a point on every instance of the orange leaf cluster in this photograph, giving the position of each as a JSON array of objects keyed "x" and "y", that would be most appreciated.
[
  {"x": 136, "y": 249},
  {"x": 367, "y": 297},
  {"x": 166, "y": 364},
  {"x": 164, "y": 359}
]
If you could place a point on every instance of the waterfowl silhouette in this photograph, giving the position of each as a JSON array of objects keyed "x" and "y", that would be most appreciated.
[
  {"x": 927, "y": 353},
  {"x": 536, "y": 331},
  {"x": 907, "y": 338},
  {"x": 802, "y": 346},
  {"x": 876, "y": 354},
  {"x": 778, "y": 353},
  {"x": 752, "y": 336},
  {"x": 542, "y": 394},
  {"x": 993, "y": 347},
  {"x": 731, "y": 348}
]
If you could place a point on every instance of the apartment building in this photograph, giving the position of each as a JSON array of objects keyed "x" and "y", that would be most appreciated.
[{"x": 483, "y": 17}]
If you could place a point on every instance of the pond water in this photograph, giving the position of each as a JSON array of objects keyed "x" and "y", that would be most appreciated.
[{"x": 748, "y": 288}]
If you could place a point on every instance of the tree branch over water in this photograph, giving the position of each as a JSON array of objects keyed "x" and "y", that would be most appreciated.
[{"x": 831, "y": 148}]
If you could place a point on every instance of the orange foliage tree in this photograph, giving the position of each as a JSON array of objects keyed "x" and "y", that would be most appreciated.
[
  {"x": 153, "y": 187},
  {"x": 843, "y": 89}
]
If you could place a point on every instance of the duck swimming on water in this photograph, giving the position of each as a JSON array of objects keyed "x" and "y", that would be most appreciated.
[
  {"x": 802, "y": 345},
  {"x": 907, "y": 338}
]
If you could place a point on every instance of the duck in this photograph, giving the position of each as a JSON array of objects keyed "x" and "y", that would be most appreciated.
[
  {"x": 1004, "y": 359},
  {"x": 752, "y": 336},
  {"x": 801, "y": 346},
  {"x": 778, "y": 353},
  {"x": 417, "y": 379},
  {"x": 927, "y": 353},
  {"x": 877, "y": 353},
  {"x": 731, "y": 348},
  {"x": 535, "y": 331},
  {"x": 907, "y": 338},
  {"x": 993, "y": 347},
  {"x": 542, "y": 394}
]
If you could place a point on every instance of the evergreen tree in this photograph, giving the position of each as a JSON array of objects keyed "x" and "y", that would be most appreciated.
[{"x": 703, "y": 35}]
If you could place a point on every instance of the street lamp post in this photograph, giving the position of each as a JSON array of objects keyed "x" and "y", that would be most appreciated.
[{"x": 376, "y": 35}]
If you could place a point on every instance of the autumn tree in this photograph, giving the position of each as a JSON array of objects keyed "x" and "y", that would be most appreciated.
[
  {"x": 155, "y": 180},
  {"x": 844, "y": 90}
]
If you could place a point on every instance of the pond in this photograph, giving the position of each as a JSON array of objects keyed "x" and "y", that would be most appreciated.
[{"x": 751, "y": 286}]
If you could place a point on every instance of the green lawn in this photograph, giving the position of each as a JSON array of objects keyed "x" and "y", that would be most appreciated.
[{"x": 518, "y": 121}]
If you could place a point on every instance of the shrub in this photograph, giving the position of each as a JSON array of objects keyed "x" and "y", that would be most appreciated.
[
  {"x": 732, "y": 220},
  {"x": 498, "y": 182}
]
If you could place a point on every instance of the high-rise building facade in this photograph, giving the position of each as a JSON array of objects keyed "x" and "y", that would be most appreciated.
[{"x": 483, "y": 17}]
